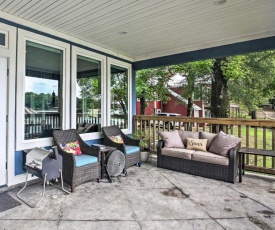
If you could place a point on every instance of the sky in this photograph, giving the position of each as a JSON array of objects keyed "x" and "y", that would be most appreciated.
[
  {"x": 40, "y": 85},
  {"x": 175, "y": 80}
]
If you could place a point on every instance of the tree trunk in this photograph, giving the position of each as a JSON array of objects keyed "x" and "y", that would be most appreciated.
[
  {"x": 142, "y": 105},
  {"x": 219, "y": 96},
  {"x": 190, "y": 106},
  {"x": 123, "y": 108},
  {"x": 253, "y": 114}
]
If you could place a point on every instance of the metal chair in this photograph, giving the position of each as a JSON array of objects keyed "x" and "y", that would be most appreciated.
[
  {"x": 77, "y": 168},
  {"x": 130, "y": 147}
]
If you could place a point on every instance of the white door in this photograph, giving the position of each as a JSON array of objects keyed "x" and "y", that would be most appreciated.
[{"x": 3, "y": 119}]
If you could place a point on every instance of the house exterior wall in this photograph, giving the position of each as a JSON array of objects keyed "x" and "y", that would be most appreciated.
[
  {"x": 151, "y": 107},
  {"x": 174, "y": 106},
  {"x": 17, "y": 33},
  {"x": 171, "y": 107}
]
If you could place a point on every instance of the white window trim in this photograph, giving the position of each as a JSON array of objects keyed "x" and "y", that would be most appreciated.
[
  {"x": 23, "y": 36},
  {"x": 86, "y": 53},
  {"x": 112, "y": 61}
]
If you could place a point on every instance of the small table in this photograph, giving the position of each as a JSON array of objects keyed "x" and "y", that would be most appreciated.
[
  {"x": 103, "y": 153},
  {"x": 253, "y": 151}
]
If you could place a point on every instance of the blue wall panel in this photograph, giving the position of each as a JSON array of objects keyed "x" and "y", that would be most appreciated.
[
  {"x": 20, "y": 159},
  {"x": 133, "y": 95}
]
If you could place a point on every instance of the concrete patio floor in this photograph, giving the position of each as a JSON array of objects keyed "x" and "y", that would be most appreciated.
[{"x": 150, "y": 198}]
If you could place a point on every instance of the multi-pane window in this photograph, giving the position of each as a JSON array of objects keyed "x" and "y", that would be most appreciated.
[
  {"x": 43, "y": 90},
  {"x": 88, "y": 95},
  {"x": 2, "y": 39},
  {"x": 119, "y": 96}
]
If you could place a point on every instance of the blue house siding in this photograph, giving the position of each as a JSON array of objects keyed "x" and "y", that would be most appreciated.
[{"x": 133, "y": 95}]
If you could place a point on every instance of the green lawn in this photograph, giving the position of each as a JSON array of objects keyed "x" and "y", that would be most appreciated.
[{"x": 260, "y": 134}]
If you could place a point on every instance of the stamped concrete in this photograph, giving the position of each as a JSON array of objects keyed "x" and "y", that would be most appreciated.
[{"x": 149, "y": 198}]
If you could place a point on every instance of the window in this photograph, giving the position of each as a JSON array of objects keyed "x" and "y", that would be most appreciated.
[
  {"x": 2, "y": 39},
  {"x": 43, "y": 89},
  {"x": 120, "y": 78},
  {"x": 88, "y": 95},
  {"x": 119, "y": 96},
  {"x": 88, "y": 90}
]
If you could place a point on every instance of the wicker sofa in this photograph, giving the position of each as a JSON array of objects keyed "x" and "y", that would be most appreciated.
[{"x": 205, "y": 164}]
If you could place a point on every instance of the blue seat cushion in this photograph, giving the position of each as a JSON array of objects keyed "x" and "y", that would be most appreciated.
[
  {"x": 131, "y": 149},
  {"x": 81, "y": 160}
]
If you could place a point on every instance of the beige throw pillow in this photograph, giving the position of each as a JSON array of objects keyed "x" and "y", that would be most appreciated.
[
  {"x": 171, "y": 139},
  {"x": 196, "y": 144}
]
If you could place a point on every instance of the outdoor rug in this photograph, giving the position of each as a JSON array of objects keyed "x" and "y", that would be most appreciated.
[{"x": 7, "y": 202}]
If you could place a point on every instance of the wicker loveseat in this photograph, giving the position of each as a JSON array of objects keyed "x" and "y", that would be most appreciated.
[{"x": 200, "y": 163}]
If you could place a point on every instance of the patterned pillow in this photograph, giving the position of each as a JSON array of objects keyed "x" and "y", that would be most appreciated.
[
  {"x": 71, "y": 147},
  {"x": 196, "y": 144},
  {"x": 117, "y": 139},
  {"x": 223, "y": 143},
  {"x": 171, "y": 139}
]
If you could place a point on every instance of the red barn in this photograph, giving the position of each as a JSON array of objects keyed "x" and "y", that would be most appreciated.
[{"x": 175, "y": 105}]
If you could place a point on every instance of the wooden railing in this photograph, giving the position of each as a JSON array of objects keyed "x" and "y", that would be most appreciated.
[
  {"x": 254, "y": 133},
  {"x": 39, "y": 125},
  {"x": 36, "y": 124}
]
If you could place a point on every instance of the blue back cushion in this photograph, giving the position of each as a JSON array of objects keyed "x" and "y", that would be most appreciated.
[
  {"x": 131, "y": 149},
  {"x": 81, "y": 160}
]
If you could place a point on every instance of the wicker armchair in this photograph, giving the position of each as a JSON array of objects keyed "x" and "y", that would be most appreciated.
[
  {"x": 130, "y": 147},
  {"x": 77, "y": 169}
]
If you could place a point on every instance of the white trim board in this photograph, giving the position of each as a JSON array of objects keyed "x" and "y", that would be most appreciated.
[
  {"x": 78, "y": 51},
  {"x": 23, "y": 36},
  {"x": 111, "y": 61}
]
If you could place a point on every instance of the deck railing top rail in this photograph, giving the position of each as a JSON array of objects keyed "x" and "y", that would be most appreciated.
[{"x": 221, "y": 121}]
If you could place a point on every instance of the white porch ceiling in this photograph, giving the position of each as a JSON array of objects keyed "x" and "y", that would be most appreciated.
[{"x": 153, "y": 28}]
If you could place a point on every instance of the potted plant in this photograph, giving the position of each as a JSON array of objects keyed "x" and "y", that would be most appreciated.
[
  {"x": 144, "y": 145},
  {"x": 144, "y": 149}
]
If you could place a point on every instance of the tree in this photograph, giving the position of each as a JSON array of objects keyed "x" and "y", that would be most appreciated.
[
  {"x": 90, "y": 93},
  {"x": 38, "y": 101},
  {"x": 220, "y": 94},
  {"x": 151, "y": 85},
  {"x": 196, "y": 75},
  {"x": 119, "y": 90},
  {"x": 253, "y": 81}
]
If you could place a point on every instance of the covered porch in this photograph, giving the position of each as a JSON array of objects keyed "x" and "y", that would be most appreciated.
[{"x": 117, "y": 37}]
